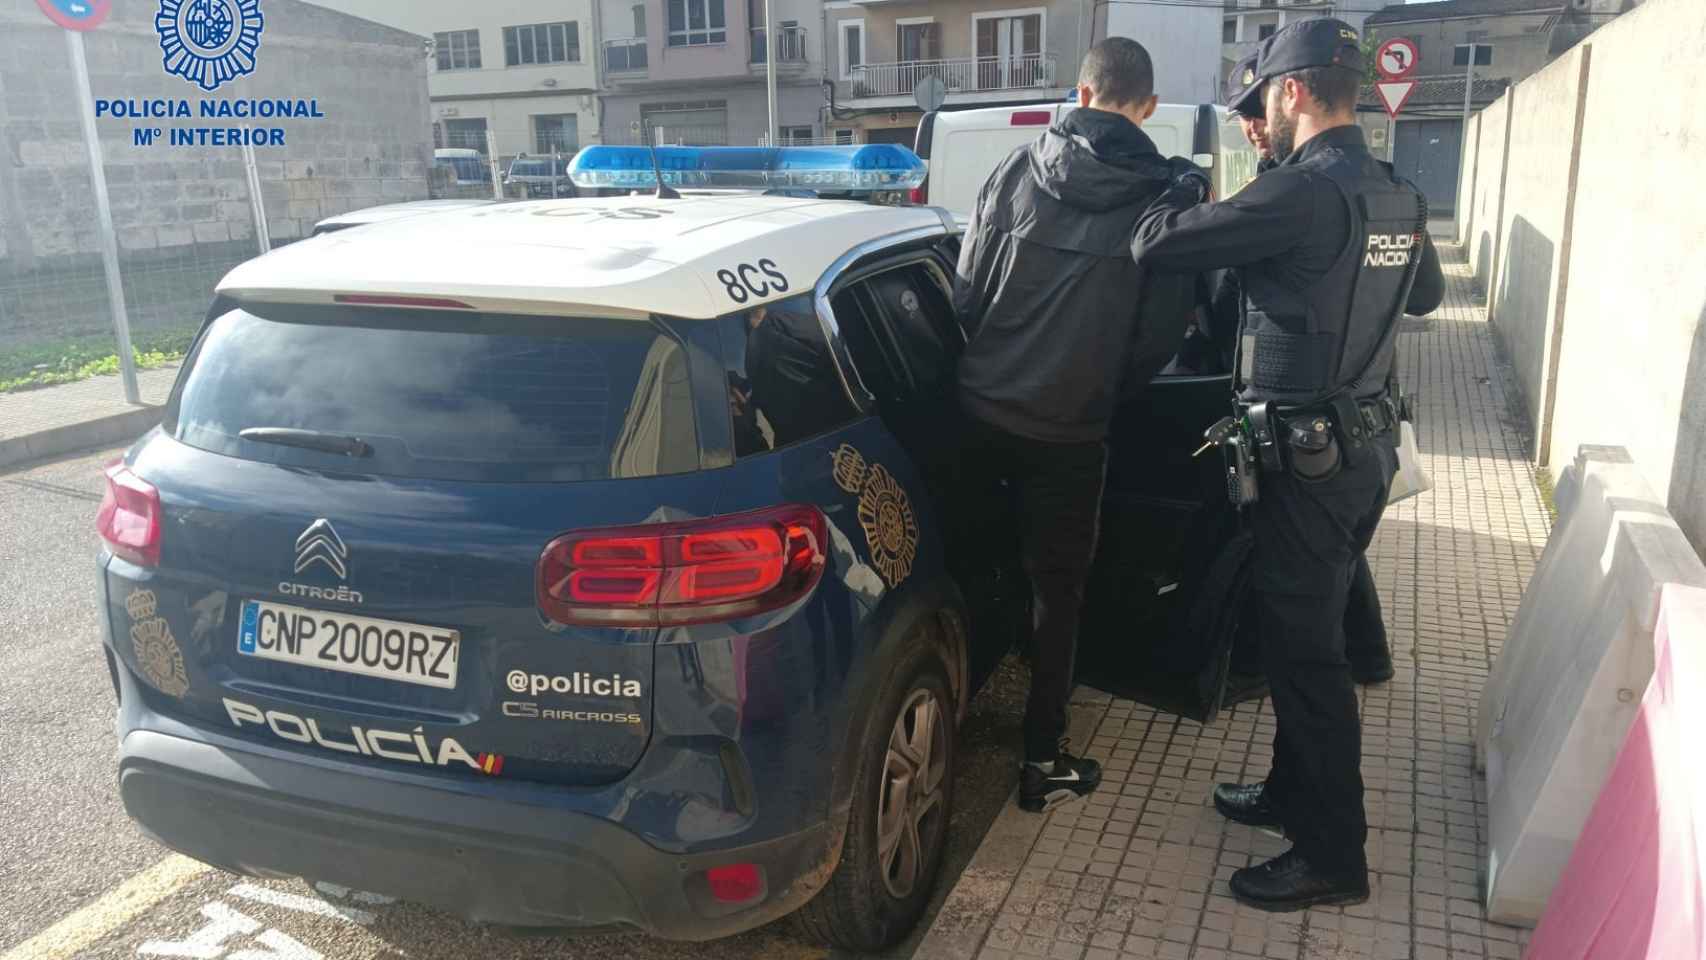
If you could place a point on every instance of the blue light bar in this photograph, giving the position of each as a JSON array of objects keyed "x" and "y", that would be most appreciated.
[{"x": 871, "y": 167}]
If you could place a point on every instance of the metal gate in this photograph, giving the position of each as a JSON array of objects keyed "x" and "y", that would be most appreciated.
[{"x": 1428, "y": 152}]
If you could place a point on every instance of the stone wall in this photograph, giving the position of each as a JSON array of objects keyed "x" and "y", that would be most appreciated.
[{"x": 182, "y": 214}]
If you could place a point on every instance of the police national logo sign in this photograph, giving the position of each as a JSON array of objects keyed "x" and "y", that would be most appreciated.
[
  {"x": 208, "y": 42},
  {"x": 885, "y": 512}
]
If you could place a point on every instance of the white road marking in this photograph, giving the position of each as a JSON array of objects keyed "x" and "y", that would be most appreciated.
[
  {"x": 280, "y": 946},
  {"x": 208, "y": 942},
  {"x": 111, "y": 911},
  {"x": 299, "y": 903}
]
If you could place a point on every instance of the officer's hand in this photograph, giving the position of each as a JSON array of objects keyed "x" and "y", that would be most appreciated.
[{"x": 1189, "y": 176}]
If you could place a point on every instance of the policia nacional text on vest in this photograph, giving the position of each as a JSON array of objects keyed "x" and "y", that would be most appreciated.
[{"x": 1331, "y": 249}]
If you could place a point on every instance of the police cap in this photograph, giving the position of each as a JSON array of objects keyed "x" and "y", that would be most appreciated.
[
  {"x": 1244, "y": 88},
  {"x": 1322, "y": 42}
]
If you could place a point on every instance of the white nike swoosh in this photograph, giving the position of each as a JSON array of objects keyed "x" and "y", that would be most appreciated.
[{"x": 1074, "y": 776}]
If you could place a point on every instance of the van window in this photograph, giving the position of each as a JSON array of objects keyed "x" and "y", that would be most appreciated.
[{"x": 440, "y": 395}]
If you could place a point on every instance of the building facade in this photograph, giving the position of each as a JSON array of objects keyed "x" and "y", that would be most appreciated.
[
  {"x": 693, "y": 71},
  {"x": 1513, "y": 39},
  {"x": 1246, "y": 23},
  {"x": 984, "y": 53},
  {"x": 517, "y": 75}
]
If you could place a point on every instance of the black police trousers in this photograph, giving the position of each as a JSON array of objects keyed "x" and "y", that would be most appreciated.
[
  {"x": 1052, "y": 494},
  {"x": 1365, "y": 627},
  {"x": 1308, "y": 539}
]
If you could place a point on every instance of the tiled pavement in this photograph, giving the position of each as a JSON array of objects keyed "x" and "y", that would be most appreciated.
[
  {"x": 1139, "y": 869},
  {"x": 34, "y": 411}
]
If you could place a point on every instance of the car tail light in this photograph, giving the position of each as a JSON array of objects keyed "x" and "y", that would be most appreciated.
[
  {"x": 1030, "y": 118},
  {"x": 735, "y": 882},
  {"x": 699, "y": 571},
  {"x": 919, "y": 194},
  {"x": 129, "y": 518}
]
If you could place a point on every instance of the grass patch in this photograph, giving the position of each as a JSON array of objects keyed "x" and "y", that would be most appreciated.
[
  {"x": 1548, "y": 493},
  {"x": 90, "y": 355}
]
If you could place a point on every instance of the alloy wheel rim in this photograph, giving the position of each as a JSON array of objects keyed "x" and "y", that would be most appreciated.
[{"x": 910, "y": 803}]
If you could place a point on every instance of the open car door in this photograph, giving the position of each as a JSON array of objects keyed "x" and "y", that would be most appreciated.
[{"x": 1162, "y": 606}]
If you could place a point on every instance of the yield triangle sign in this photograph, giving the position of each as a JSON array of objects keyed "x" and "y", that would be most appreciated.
[{"x": 1393, "y": 93}]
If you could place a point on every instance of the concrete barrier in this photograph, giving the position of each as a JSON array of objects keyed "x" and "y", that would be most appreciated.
[
  {"x": 1634, "y": 885},
  {"x": 1565, "y": 688}
]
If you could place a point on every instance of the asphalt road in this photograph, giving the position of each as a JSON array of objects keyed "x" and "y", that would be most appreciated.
[{"x": 78, "y": 880}]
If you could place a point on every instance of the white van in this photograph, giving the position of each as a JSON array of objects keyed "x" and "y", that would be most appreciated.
[{"x": 964, "y": 146}]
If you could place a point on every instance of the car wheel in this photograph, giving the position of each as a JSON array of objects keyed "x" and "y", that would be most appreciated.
[{"x": 898, "y": 827}]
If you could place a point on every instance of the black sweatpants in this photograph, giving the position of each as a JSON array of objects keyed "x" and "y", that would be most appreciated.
[
  {"x": 1053, "y": 495},
  {"x": 1309, "y": 538}
]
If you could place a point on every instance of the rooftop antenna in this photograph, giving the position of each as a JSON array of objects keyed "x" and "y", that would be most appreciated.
[{"x": 664, "y": 192}]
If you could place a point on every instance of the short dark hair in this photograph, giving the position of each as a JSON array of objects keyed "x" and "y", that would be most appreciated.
[
  {"x": 1120, "y": 72},
  {"x": 1335, "y": 88}
]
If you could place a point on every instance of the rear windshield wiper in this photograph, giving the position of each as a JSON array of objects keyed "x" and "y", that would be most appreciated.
[{"x": 309, "y": 440}]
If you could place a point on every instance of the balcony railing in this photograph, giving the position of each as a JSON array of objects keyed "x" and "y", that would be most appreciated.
[
  {"x": 790, "y": 45},
  {"x": 966, "y": 75},
  {"x": 625, "y": 56}
]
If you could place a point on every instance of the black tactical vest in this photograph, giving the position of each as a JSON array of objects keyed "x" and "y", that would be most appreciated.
[{"x": 1297, "y": 346}]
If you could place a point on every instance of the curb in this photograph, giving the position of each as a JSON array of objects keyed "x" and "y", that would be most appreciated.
[
  {"x": 74, "y": 437},
  {"x": 963, "y": 922}
]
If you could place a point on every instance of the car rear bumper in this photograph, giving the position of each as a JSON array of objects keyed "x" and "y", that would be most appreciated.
[{"x": 486, "y": 859}]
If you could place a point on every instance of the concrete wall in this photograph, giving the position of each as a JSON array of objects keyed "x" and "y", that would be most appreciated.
[
  {"x": 1489, "y": 174},
  {"x": 1636, "y": 319},
  {"x": 1524, "y": 291},
  {"x": 182, "y": 213},
  {"x": 1601, "y": 303}
]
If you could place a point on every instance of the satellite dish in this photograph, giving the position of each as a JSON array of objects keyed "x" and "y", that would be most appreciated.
[{"x": 929, "y": 93}]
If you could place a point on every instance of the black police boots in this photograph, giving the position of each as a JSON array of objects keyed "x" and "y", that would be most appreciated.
[
  {"x": 1246, "y": 803},
  {"x": 1290, "y": 882}
]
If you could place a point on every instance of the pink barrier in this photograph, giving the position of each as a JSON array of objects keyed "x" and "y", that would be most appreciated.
[{"x": 1635, "y": 887}]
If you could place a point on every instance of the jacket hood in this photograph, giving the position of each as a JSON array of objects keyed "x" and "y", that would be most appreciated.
[{"x": 1094, "y": 160}]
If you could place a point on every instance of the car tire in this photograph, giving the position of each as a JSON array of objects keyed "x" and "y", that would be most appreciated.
[{"x": 898, "y": 826}]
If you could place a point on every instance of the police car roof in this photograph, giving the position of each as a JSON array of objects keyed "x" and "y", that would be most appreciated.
[
  {"x": 406, "y": 208},
  {"x": 623, "y": 256}
]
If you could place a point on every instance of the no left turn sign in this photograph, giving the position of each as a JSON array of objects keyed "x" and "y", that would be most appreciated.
[{"x": 1397, "y": 58}]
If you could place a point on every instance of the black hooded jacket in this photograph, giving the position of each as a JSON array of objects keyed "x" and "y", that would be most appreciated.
[{"x": 1061, "y": 321}]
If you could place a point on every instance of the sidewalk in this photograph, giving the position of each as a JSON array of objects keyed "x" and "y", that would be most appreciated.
[
  {"x": 35, "y": 424},
  {"x": 1139, "y": 869}
]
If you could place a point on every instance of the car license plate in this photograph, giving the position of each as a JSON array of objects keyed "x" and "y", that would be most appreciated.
[{"x": 408, "y": 652}]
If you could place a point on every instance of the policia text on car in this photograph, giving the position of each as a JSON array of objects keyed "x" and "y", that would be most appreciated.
[{"x": 1314, "y": 415}]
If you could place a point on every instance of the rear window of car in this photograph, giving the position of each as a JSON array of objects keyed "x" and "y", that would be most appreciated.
[
  {"x": 442, "y": 395},
  {"x": 530, "y": 168}
]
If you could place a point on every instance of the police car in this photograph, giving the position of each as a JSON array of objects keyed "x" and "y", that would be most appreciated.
[{"x": 577, "y": 564}]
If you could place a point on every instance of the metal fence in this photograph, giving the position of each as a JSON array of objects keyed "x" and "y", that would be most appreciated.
[
  {"x": 961, "y": 75},
  {"x": 182, "y": 216}
]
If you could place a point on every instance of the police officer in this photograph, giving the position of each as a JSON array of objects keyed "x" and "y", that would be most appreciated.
[
  {"x": 1324, "y": 244},
  {"x": 1365, "y": 628}
]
